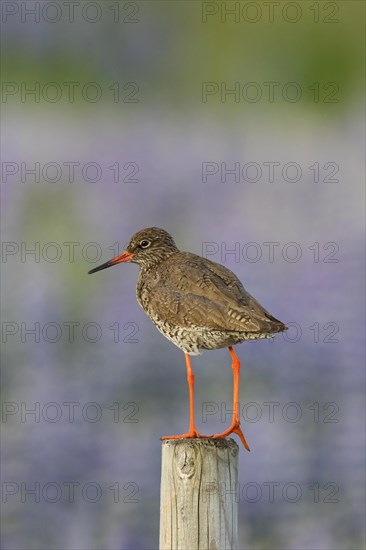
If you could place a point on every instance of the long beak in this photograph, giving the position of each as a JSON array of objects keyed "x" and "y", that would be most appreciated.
[{"x": 124, "y": 257}]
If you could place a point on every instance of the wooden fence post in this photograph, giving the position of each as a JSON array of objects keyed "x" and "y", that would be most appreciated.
[{"x": 199, "y": 494}]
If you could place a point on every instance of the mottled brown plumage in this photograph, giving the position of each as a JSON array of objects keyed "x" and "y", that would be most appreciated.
[
  {"x": 194, "y": 302},
  {"x": 199, "y": 304}
]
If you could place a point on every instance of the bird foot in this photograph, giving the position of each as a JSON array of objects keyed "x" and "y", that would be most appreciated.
[
  {"x": 236, "y": 429},
  {"x": 189, "y": 435}
]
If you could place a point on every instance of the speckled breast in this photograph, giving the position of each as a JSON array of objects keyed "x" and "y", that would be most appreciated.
[{"x": 193, "y": 340}]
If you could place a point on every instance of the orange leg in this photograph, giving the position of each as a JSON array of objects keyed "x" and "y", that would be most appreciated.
[
  {"x": 192, "y": 429},
  {"x": 235, "y": 424}
]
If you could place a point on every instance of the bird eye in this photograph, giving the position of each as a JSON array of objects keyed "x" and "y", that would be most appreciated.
[{"x": 145, "y": 243}]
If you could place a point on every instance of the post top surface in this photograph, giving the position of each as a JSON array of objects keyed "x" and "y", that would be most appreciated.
[{"x": 207, "y": 442}]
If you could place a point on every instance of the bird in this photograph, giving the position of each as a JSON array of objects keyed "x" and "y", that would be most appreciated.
[{"x": 198, "y": 305}]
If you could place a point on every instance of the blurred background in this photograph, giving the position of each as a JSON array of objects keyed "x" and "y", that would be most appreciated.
[{"x": 238, "y": 127}]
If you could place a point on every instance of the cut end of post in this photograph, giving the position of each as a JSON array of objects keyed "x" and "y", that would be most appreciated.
[{"x": 203, "y": 442}]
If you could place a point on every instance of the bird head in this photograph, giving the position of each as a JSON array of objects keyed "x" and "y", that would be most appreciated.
[{"x": 147, "y": 248}]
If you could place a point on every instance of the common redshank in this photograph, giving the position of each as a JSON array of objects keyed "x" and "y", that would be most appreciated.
[{"x": 197, "y": 304}]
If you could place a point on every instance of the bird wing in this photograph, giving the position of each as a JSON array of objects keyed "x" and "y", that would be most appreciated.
[{"x": 193, "y": 292}]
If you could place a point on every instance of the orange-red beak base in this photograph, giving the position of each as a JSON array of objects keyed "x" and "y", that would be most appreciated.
[{"x": 124, "y": 257}]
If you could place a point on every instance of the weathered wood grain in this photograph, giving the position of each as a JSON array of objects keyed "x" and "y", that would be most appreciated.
[{"x": 199, "y": 494}]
